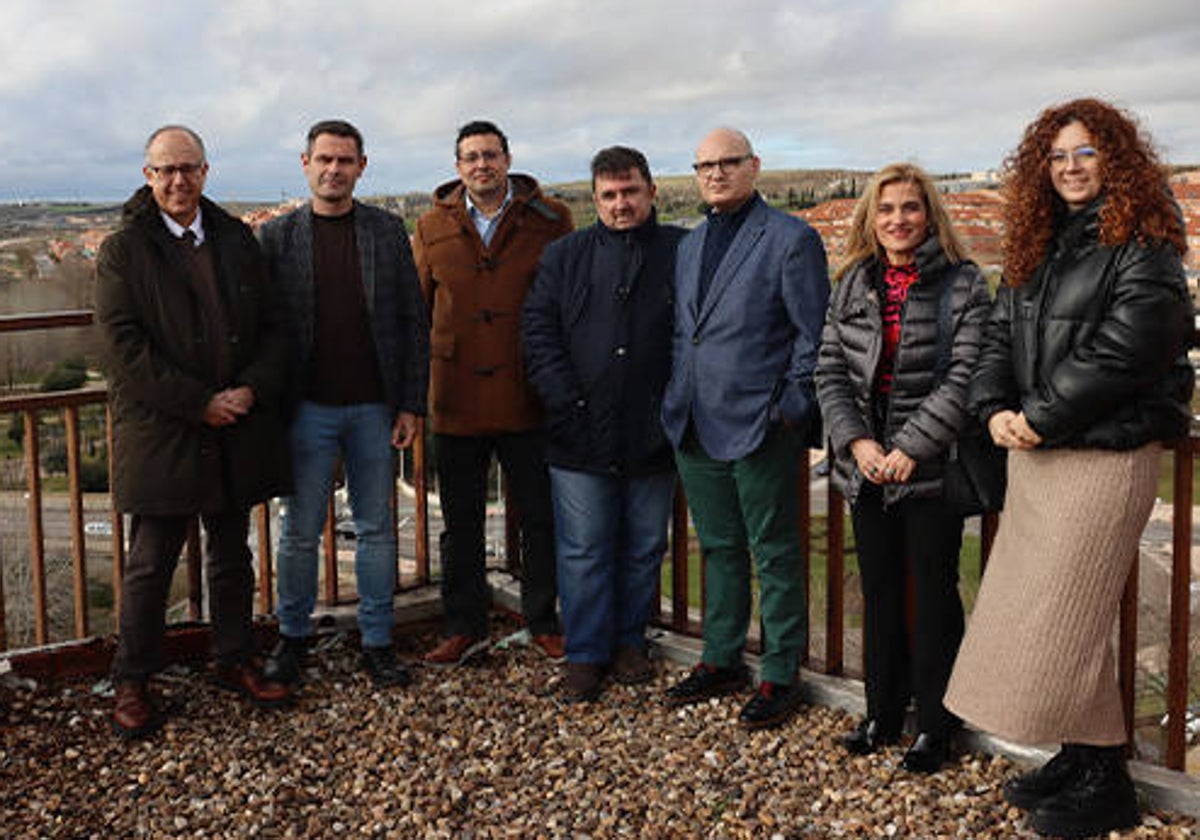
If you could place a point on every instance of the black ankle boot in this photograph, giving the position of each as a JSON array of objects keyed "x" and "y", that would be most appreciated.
[
  {"x": 1030, "y": 790},
  {"x": 283, "y": 664},
  {"x": 1099, "y": 799}
]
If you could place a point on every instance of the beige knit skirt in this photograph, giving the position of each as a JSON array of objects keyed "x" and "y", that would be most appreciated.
[{"x": 1037, "y": 665}]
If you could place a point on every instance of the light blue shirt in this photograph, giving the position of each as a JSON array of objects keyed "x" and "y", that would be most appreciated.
[{"x": 486, "y": 225}]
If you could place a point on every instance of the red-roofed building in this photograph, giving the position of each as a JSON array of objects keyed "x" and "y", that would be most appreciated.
[{"x": 978, "y": 218}]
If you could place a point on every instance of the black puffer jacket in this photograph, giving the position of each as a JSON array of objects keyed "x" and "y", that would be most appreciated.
[
  {"x": 920, "y": 419},
  {"x": 596, "y": 329},
  {"x": 1093, "y": 348}
]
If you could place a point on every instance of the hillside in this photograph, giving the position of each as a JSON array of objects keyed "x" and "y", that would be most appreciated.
[{"x": 47, "y": 250}]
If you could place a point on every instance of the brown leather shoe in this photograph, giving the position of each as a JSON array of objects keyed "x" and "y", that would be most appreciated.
[
  {"x": 550, "y": 644},
  {"x": 631, "y": 666},
  {"x": 133, "y": 715},
  {"x": 246, "y": 680},
  {"x": 456, "y": 650}
]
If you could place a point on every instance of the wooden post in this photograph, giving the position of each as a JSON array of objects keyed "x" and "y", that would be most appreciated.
[
  {"x": 421, "y": 505},
  {"x": 835, "y": 577},
  {"x": 679, "y": 561},
  {"x": 192, "y": 556},
  {"x": 37, "y": 534},
  {"x": 78, "y": 549},
  {"x": 1181, "y": 596}
]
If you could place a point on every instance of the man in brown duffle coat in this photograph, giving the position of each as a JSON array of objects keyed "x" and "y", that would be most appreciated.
[
  {"x": 477, "y": 251},
  {"x": 194, "y": 353}
]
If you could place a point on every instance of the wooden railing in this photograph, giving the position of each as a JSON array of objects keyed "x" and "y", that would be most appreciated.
[{"x": 676, "y": 612}]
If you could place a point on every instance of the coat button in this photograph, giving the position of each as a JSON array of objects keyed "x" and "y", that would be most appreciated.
[
  {"x": 695, "y": 340},
  {"x": 620, "y": 351}
]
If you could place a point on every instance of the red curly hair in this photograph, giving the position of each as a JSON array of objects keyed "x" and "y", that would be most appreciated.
[{"x": 1137, "y": 201}]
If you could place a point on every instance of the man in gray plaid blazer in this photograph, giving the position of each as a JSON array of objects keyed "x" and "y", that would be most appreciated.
[{"x": 359, "y": 377}]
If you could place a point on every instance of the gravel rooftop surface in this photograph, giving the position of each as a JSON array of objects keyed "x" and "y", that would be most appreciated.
[{"x": 486, "y": 751}]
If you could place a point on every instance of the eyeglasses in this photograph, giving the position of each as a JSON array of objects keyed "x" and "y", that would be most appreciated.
[
  {"x": 487, "y": 156},
  {"x": 706, "y": 167},
  {"x": 187, "y": 170},
  {"x": 1063, "y": 157}
]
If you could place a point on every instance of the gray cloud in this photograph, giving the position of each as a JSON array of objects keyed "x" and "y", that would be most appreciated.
[{"x": 950, "y": 83}]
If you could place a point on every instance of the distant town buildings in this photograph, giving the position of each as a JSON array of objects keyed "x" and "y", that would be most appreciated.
[
  {"x": 977, "y": 214},
  {"x": 37, "y": 242}
]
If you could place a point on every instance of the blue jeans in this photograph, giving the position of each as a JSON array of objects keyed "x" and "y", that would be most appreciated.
[
  {"x": 362, "y": 434},
  {"x": 610, "y": 536}
]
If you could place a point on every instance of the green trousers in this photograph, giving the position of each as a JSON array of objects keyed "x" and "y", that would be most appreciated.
[{"x": 743, "y": 508}]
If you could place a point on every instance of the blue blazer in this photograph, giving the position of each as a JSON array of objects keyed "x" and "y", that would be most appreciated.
[{"x": 744, "y": 359}]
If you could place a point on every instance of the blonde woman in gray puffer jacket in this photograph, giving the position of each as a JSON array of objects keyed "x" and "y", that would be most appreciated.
[{"x": 891, "y": 413}]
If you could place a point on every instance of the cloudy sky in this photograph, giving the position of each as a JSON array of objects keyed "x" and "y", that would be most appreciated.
[{"x": 849, "y": 83}]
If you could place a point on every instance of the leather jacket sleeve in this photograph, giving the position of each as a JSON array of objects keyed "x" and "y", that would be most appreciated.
[
  {"x": 1144, "y": 327},
  {"x": 993, "y": 385}
]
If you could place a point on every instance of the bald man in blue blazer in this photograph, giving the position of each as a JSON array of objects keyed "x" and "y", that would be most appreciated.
[{"x": 751, "y": 288}]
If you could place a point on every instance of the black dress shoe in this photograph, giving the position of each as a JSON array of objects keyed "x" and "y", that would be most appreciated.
[
  {"x": 927, "y": 754},
  {"x": 707, "y": 681},
  {"x": 1033, "y": 789},
  {"x": 868, "y": 737},
  {"x": 770, "y": 706},
  {"x": 385, "y": 671},
  {"x": 283, "y": 664}
]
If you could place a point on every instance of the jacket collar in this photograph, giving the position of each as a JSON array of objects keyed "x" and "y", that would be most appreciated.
[
  {"x": 1074, "y": 229},
  {"x": 930, "y": 259},
  {"x": 451, "y": 194},
  {"x": 642, "y": 233},
  {"x": 142, "y": 210}
]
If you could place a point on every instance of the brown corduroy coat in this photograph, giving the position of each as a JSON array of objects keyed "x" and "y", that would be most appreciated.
[{"x": 475, "y": 294}]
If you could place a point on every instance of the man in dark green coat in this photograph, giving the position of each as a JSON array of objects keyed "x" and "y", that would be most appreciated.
[{"x": 195, "y": 357}]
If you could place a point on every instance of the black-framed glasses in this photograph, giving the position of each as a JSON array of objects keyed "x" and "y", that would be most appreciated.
[
  {"x": 707, "y": 167},
  {"x": 170, "y": 170}
]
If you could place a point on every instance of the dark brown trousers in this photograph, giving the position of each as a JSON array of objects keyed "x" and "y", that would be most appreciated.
[{"x": 155, "y": 543}]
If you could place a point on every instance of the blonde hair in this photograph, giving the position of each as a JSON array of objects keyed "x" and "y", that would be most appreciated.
[{"x": 862, "y": 241}]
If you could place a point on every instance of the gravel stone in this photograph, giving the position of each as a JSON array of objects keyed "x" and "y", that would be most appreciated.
[{"x": 481, "y": 752}]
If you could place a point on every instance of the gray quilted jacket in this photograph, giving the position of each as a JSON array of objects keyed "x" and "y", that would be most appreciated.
[{"x": 921, "y": 417}]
